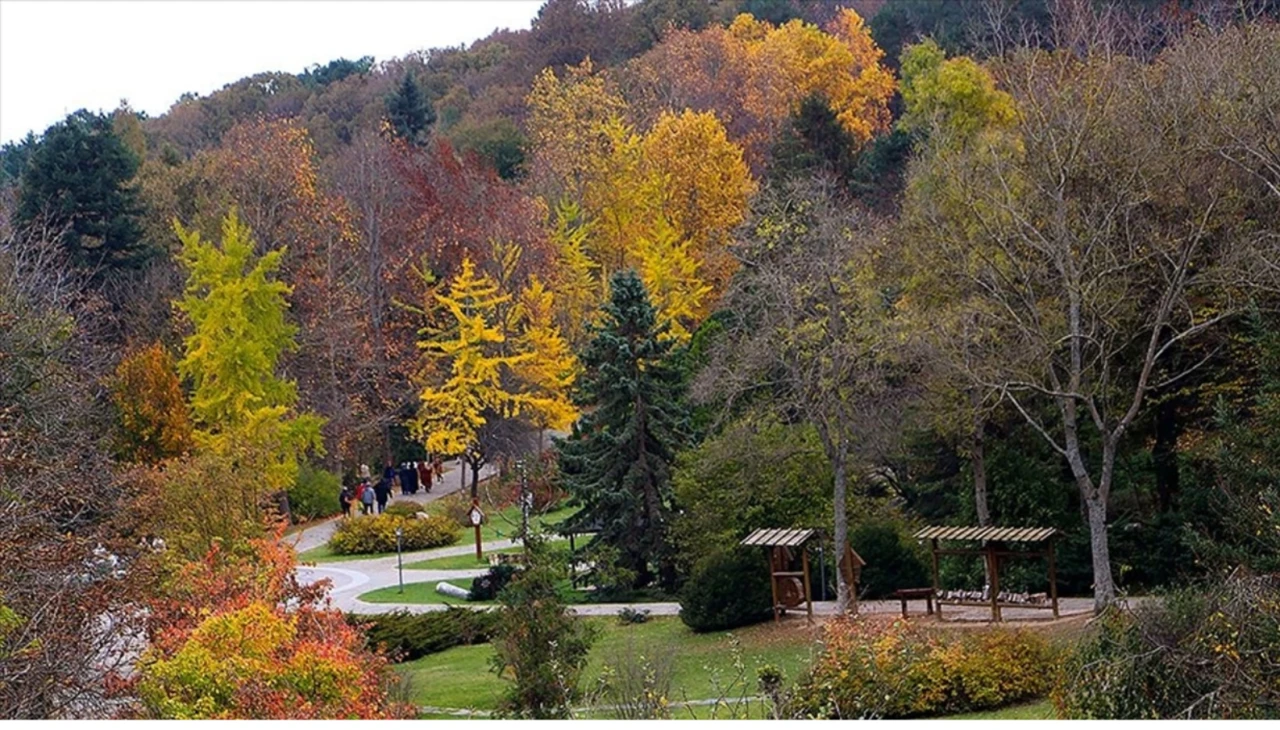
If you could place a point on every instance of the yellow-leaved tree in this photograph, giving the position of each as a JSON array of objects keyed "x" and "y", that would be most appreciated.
[{"x": 496, "y": 358}]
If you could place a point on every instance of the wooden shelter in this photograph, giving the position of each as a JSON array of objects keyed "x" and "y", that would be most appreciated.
[
  {"x": 791, "y": 587},
  {"x": 994, "y": 546}
]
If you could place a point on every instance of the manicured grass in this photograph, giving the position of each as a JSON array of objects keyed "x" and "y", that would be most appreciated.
[
  {"x": 458, "y": 562},
  {"x": 505, "y": 524},
  {"x": 702, "y": 665},
  {"x": 1041, "y": 709},
  {"x": 323, "y": 554},
  {"x": 422, "y": 592}
]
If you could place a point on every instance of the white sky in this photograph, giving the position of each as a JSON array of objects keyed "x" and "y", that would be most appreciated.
[{"x": 57, "y": 57}]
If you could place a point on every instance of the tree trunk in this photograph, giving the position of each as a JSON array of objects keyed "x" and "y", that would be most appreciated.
[
  {"x": 1104, "y": 589},
  {"x": 844, "y": 591},
  {"x": 979, "y": 463}
]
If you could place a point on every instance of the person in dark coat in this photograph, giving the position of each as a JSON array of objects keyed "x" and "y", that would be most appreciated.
[
  {"x": 408, "y": 479},
  {"x": 382, "y": 492},
  {"x": 345, "y": 498}
]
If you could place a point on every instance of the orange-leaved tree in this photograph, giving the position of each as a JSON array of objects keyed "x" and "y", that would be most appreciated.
[
  {"x": 155, "y": 423},
  {"x": 237, "y": 637}
]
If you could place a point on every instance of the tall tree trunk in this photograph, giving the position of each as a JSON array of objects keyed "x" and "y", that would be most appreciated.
[
  {"x": 844, "y": 591},
  {"x": 978, "y": 458},
  {"x": 1104, "y": 588}
]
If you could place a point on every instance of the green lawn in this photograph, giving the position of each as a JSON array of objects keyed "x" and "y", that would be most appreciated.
[
  {"x": 1035, "y": 710},
  {"x": 458, "y": 562},
  {"x": 460, "y": 677},
  {"x": 323, "y": 554},
  {"x": 423, "y": 592}
]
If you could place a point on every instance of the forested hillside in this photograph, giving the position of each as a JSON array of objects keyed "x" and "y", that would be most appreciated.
[{"x": 862, "y": 267}]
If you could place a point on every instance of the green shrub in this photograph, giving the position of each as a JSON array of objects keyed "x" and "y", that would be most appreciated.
[
  {"x": 404, "y": 508},
  {"x": 1205, "y": 652},
  {"x": 727, "y": 590},
  {"x": 540, "y": 645},
  {"x": 487, "y": 587},
  {"x": 892, "y": 563},
  {"x": 314, "y": 494},
  {"x": 377, "y": 534},
  {"x": 407, "y": 636},
  {"x": 873, "y": 669}
]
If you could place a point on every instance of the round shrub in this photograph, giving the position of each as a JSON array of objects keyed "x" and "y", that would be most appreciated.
[
  {"x": 892, "y": 563},
  {"x": 487, "y": 587},
  {"x": 871, "y": 669},
  {"x": 727, "y": 590},
  {"x": 314, "y": 494},
  {"x": 377, "y": 534}
]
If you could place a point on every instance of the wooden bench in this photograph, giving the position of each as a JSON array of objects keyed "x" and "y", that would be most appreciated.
[{"x": 914, "y": 594}]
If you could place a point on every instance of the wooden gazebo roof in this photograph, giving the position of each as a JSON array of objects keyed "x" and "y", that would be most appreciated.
[
  {"x": 995, "y": 534},
  {"x": 770, "y": 537}
]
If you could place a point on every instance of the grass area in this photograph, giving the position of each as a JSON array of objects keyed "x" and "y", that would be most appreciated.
[
  {"x": 323, "y": 554},
  {"x": 424, "y": 592},
  {"x": 458, "y": 562},
  {"x": 701, "y": 665},
  {"x": 1041, "y": 709}
]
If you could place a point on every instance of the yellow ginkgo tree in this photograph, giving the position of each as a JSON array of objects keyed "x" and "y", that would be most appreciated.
[{"x": 494, "y": 358}]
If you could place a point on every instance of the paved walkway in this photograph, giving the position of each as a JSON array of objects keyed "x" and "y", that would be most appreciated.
[{"x": 352, "y": 578}]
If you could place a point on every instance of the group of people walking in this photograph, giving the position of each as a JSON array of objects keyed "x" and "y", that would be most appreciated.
[{"x": 371, "y": 497}]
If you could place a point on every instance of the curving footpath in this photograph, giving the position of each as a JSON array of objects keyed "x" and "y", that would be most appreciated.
[{"x": 352, "y": 578}]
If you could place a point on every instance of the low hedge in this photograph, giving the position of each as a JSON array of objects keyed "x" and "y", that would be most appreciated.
[
  {"x": 406, "y": 636},
  {"x": 879, "y": 669},
  {"x": 377, "y": 534}
]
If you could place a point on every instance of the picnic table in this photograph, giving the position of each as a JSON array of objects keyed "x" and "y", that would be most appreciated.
[{"x": 913, "y": 594}]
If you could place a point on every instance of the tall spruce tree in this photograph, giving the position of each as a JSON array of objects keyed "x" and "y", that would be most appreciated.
[
  {"x": 617, "y": 462},
  {"x": 409, "y": 111},
  {"x": 80, "y": 176}
]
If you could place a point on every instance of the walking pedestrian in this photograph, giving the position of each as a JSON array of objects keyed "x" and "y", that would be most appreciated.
[
  {"x": 382, "y": 492},
  {"x": 424, "y": 475},
  {"x": 408, "y": 479},
  {"x": 366, "y": 498},
  {"x": 345, "y": 497}
]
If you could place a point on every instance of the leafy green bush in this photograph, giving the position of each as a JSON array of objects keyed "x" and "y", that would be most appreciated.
[
  {"x": 314, "y": 494},
  {"x": 404, "y": 508},
  {"x": 1204, "y": 652},
  {"x": 407, "y": 636},
  {"x": 893, "y": 669},
  {"x": 727, "y": 590},
  {"x": 487, "y": 587},
  {"x": 539, "y": 644},
  {"x": 892, "y": 563},
  {"x": 377, "y": 534}
]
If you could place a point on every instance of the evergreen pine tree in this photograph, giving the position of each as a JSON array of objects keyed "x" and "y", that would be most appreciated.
[
  {"x": 409, "y": 110},
  {"x": 617, "y": 462},
  {"x": 80, "y": 176}
]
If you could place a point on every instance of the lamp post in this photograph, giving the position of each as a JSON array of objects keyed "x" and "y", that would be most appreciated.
[{"x": 400, "y": 555}]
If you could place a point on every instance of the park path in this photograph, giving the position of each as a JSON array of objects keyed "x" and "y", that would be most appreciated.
[{"x": 352, "y": 578}]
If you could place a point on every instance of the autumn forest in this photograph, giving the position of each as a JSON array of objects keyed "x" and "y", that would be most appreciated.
[{"x": 661, "y": 273}]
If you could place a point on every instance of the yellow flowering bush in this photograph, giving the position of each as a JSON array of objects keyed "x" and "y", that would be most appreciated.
[
  {"x": 893, "y": 669},
  {"x": 377, "y": 534}
]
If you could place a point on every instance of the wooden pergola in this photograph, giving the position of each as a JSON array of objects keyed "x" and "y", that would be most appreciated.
[
  {"x": 994, "y": 546},
  {"x": 791, "y": 587}
]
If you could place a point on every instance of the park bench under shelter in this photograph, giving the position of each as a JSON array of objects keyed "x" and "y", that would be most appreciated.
[
  {"x": 994, "y": 546},
  {"x": 791, "y": 587}
]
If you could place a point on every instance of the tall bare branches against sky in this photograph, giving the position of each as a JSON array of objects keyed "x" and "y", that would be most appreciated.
[{"x": 57, "y": 57}]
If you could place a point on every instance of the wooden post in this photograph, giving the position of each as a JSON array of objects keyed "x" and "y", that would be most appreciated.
[
  {"x": 773, "y": 583},
  {"x": 479, "y": 553},
  {"x": 993, "y": 563},
  {"x": 808, "y": 597},
  {"x": 937, "y": 586},
  {"x": 1053, "y": 579}
]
